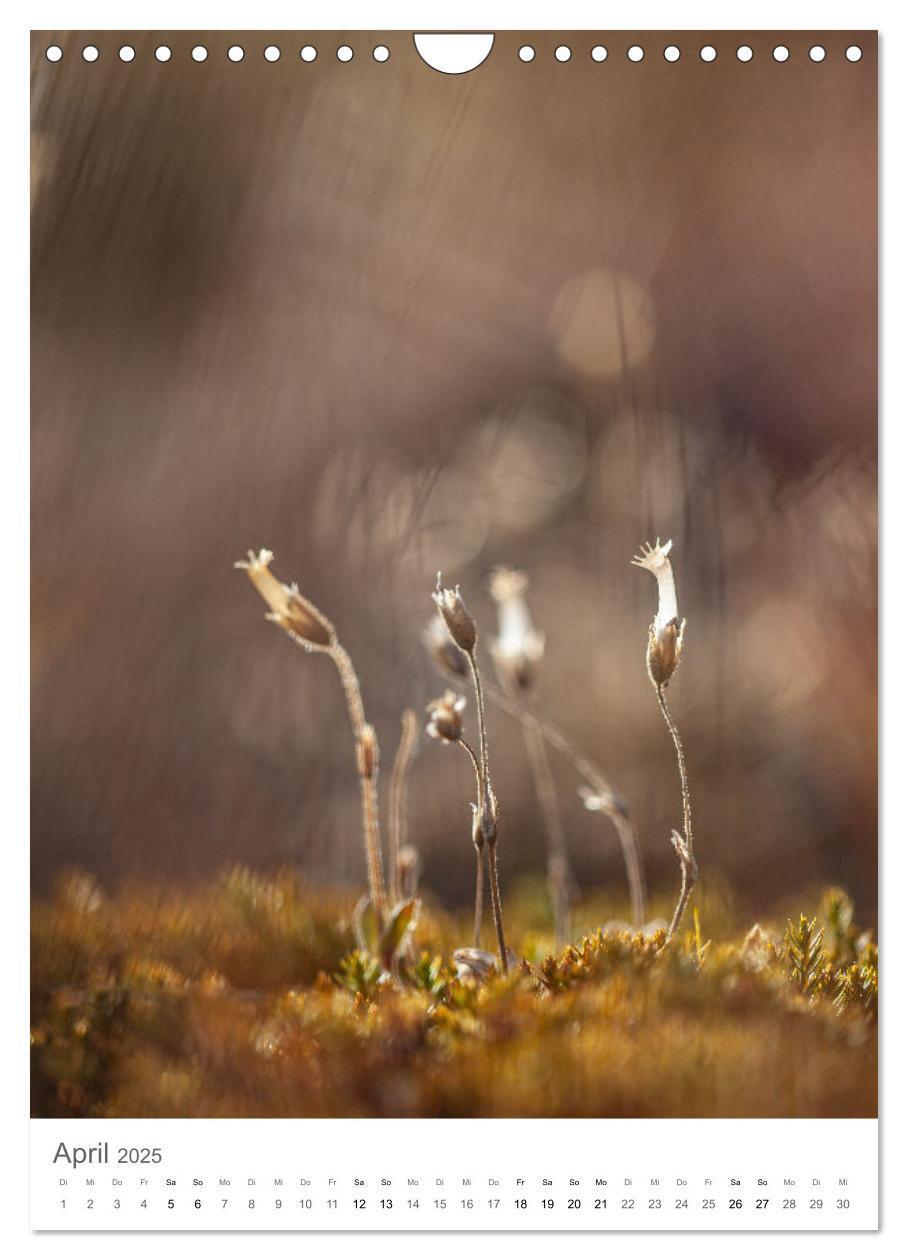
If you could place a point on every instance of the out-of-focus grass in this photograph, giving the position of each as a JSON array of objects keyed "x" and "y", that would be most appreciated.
[{"x": 244, "y": 998}]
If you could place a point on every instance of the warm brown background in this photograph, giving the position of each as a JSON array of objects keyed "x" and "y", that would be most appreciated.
[{"x": 365, "y": 315}]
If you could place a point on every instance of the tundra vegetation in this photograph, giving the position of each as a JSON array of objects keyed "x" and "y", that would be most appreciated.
[{"x": 261, "y": 994}]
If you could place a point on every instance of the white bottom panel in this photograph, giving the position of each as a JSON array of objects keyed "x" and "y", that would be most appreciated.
[{"x": 453, "y": 1174}]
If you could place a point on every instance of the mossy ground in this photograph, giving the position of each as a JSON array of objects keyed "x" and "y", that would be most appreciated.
[{"x": 245, "y": 998}]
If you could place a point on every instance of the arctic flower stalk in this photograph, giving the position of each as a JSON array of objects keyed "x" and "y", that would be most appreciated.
[
  {"x": 312, "y": 630},
  {"x": 443, "y": 721},
  {"x": 524, "y": 650},
  {"x": 663, "y": 653},
  {"x": 516, "y": 651}
]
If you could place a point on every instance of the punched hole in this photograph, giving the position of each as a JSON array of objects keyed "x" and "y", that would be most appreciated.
[
  {"x": 526, "y": 53},
  {"x": 599, "y": 53},
  {"x": 635, "y": 53},
  {"x": 453, "y": 53},
  {"x": 54, "y": 53},
  {"x": 308, "y": 53}
]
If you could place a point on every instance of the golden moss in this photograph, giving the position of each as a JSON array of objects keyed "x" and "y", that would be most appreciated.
[{"x": 248, "y": 998}]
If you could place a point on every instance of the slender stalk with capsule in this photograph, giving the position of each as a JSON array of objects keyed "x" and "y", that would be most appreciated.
[{"x": 663, "y": 652}]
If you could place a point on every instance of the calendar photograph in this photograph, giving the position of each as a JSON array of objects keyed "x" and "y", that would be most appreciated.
[{"x": 453, "y": 576}]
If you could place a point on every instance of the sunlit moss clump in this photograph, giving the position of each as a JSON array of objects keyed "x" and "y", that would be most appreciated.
[{"x": 249, "y": 997}]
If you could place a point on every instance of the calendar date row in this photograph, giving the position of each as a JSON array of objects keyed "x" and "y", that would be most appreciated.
[{"x": 469, "y": 1204}]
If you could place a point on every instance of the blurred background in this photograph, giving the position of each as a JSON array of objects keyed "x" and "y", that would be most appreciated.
[{"x": 386, "y": 321}]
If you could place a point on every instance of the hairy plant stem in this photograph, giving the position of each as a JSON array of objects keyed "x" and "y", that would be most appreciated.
[
  {"x": 496, "y": 904},
  {"x": 478, "y": 844},
  {"x": 684, "y": 848},
  {"x": 403, "y": 759},
  {"x": 481, "y": 715},
  {"x": 559, "y": 873},
  {"x": 488, "y": 811},
  {"x": 367, "y": 769},
  {"x": 477, "y": 911},
  {"x": 595, "y": 777}
]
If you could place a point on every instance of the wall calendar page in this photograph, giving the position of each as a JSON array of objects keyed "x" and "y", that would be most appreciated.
[{"x": 454, "y": 630}]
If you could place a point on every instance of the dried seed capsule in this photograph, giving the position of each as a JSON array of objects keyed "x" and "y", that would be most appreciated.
[
  {"x": 666, "y": 634},
  {"x": 461, "y": 625},
  {"x": 474, "y": 964},
  {"x": 664, "y": 651},
  {"x": 408, "y": 870},
  {"x": 519, "y": 646},
  {"x": 445, "y": 654},
  {"x": 445, "y": 717},
  {"x": 288, "y": 608}
]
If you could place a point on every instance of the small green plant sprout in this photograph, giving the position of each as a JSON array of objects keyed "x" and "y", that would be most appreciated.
[
  {"x": 384, "y": 937},
  {"x": 803, "y": 946},
  {"x": 856, "y": 987},
  {"x": 360, "y": 973},
  {"x": 428, "y": 975},
  {"x": 699, "y": 945},
  {"x": 313, "y": 632},
  {"x": 663, "y": 652},
  {"x": 517, "y": 651},
  {"x": 837, "y": 911},
  {"x": 462, "y": 629}
]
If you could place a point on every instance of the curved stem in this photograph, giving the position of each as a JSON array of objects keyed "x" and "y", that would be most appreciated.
[
  {"x": 477, "y": 911},
  {"x": 403, "y": 759},
  {"x": 496, "y": 907},
  {"x": 684, "y": 850},
  {"x": 478, "y": 845},
  {"x": 367, "y": 769},
  {"x": 477, "y": 770},
  {"x": 481, "y": 715},
  {"x": 558, "y": 866}
]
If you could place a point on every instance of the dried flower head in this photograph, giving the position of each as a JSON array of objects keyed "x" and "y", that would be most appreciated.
[
  {"x": 474, "y": 964},
  {"x": 666, "y": 634},
  {"x": 289, "y": 609},
  {"x": 445, "y": 717},
  {"x": 603, "y": 802},
  {"x": 461, "y": 625},
  {"x": 519, "y": 645},
  {"x": 408, "y": 870},
  {"x": 445, "y": 654}
]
